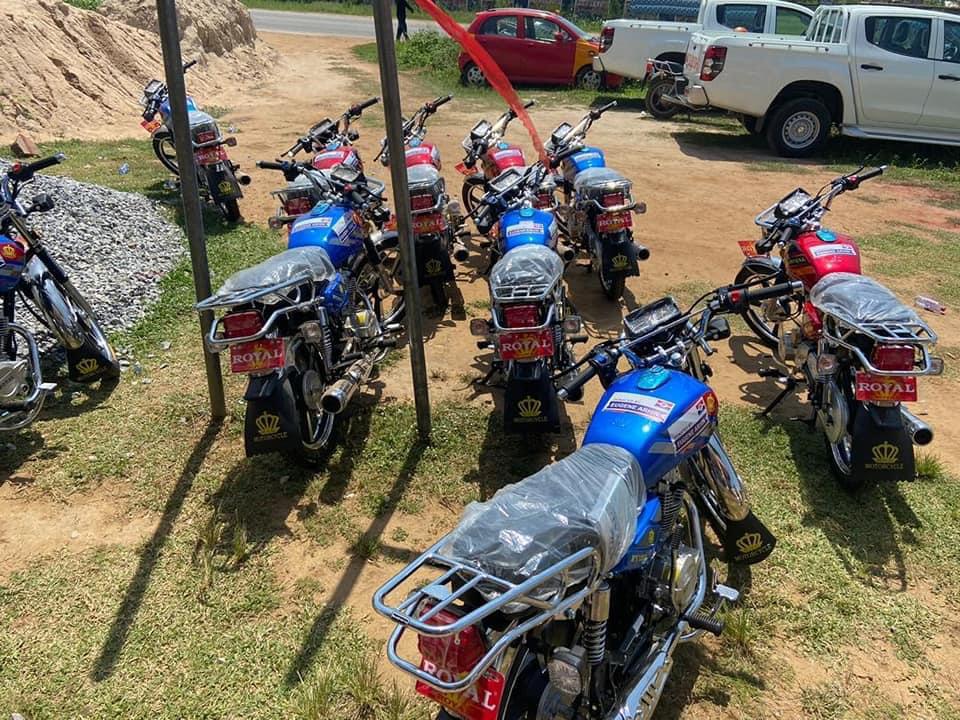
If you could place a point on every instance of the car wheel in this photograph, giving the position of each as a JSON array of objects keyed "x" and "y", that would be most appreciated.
[
  {"x": 589, "y": 79},
  {"x": 473, "y": 76},
  {"x": 799, "y": 128}
]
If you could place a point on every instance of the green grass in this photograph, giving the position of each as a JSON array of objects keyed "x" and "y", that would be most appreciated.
[
  {"x": 927, "y": 263},
  {"x": 85, "y": 4}
]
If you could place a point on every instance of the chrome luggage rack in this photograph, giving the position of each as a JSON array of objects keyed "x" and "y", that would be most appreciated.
[
  {"x": 530, "y": 291},
  {"x": 840, "y": 331},
  {"x": 442, "y": 597}
]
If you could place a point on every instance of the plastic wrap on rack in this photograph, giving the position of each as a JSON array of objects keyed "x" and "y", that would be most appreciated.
[
  {"x": 588, "y": 499},
  {"x": 528, "y": 266},
  {"x": 857, "y": 299},
  {"x": 310, "y": 263},
  {"x": 601, "y": 179}
]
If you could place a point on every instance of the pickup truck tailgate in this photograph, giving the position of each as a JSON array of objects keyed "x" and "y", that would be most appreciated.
[{"x": 694, "y": 59}]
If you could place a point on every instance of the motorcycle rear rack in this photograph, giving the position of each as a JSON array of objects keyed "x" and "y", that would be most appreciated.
[
  {"x": 245, "y": 296},
  {"x": 533, "y": 292},
  {"x": 442, "y": 597},
  {"x": 840, "y": 331}
]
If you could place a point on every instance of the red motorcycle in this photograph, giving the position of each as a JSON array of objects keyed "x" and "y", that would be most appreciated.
[{"x": 855, "y": 346}]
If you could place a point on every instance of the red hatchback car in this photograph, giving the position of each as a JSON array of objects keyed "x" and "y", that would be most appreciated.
[{"x": 535, "y": 47}]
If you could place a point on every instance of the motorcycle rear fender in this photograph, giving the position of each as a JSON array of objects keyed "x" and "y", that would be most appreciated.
[
  {"x": 433, "y": 261},
  {"x": 618, "y": 254},
  {"x": 271, "y": 423},
  {"x": 221, "y": 182},
  {"x": 40, "y": 286},
  {"x": 530, "y": 400},
  {"x": 882, "y": 448}
]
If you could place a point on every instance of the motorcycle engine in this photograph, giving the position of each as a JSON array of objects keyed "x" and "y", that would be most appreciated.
[
  {"x": 686, "y": 572},
  {"x": 14, "y": 380}
]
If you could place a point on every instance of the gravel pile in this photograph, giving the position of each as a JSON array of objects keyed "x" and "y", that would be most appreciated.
[{"x": 114, "y": 246}]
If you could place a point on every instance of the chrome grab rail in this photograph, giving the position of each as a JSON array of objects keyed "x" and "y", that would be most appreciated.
[
  {"x": 547, "y": 324},
  {"x": 840, "y": 331}
]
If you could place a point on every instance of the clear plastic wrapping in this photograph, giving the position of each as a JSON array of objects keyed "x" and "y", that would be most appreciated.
[
  {"x": 310, "y": 261},
  {"x": 524, "y": 267},
  {"x": 859, "y": 299},
  {"x": 588, "y": 499},
  {"x": 599, "y": 179}
]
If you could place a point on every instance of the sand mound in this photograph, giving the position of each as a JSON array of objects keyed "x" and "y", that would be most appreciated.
[{"x": 78, "y": 73}]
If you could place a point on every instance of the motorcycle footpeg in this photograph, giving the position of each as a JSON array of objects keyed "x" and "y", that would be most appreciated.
[
  {"x": 769, "y": 373},
  {"x": 701, "y": 621},
  {"x": 484, "y": 345}
]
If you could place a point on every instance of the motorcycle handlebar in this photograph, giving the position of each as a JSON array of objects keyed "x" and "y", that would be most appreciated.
[
  {"x": 577, "y": 382},
  {"x": 21, "y": 173},
  {"x": 188, "y": 65},
  {"x": 763, "y": 293},
  {"x": 358, "y": 109},
  {"x": 443, "y": 100},
  {"x": 529, "y": 104},
  {"x": 870, "y": 174},
  {"x": 270, "y": 165},
  {"x": 601, "y": 110}
]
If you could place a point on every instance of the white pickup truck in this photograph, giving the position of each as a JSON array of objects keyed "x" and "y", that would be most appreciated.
[
  {"x": 875, "y": 71},
  {"x": 627, "y": 45}
]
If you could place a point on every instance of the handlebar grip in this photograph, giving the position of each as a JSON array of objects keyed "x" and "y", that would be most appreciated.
[
  {"x": 578, "y": 381},
  {"x": 188, "y": 65},
  {"x": 360, "y": 107},
  {"x": 601, "y": 110},
  {"x": 270, "y": 165},
  {"x": 356, "y": 198},
  {"x": 529, "y": 104},
  {"x": 752, "y": 295},
  {"x": 870, "y": 174},
  {"x": 441, "y": 101},
  {"x": 26, "y": 172}
]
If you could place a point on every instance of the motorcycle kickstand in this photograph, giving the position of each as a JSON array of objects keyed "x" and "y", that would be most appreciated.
[{"x": 788, "y": 388}]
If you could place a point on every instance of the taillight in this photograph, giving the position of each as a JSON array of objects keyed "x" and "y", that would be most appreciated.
[
  {"x": 613, "y": 199},
  {"x": 648, "y": 70},
  {"x": 204, "y": 137},
  {"x": 298, "y": 206},
  {"x": 544, "y": 200},
  {"x": 242, "y": 324},
  {"x": 713, "y": 61},
  {"x": 451, "y": 656},
  {"x": 893, "y": 357},
  {"x": 421, "y": 202},
  {"x": 606, "y": 38},
  {"x": 521, "y": 316}
]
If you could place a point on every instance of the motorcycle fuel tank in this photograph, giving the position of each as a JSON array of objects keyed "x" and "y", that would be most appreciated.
[
  {"x": 12, "y": 262},
  {"x": 815, "y": 254},
  {"x": 661, "y": 416},
  {"x": 527, "y": 226},
  {"x": 333, "y": 227},
  {"x": 423, "y": 154},
  {"x": 343, "y": 155},
  {"x": 589, "y": 157},
  {"x": 502, "y": 156}
]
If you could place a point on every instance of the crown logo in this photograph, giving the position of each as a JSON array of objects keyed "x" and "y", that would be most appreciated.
[
  {"x": 885, "y": 453},
  {"x": 749, "y": 542},
  {"x": 87, "y": 366},
  {"x": 434, "y": 267},
  {"x": 529, "y": 407},
  {"x": 268, "y": 424},
  {"x": 619, "y": 261},
  {"x": 8, "y": 251}
]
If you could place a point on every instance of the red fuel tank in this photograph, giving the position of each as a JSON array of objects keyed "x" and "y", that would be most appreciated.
[
  {"x": 815, "y": 254},
  {"x": 343, "y": 155},
  {"x": 500, "y": 157}
]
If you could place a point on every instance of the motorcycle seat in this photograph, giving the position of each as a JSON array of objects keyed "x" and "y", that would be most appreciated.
[
  {"x": 308, "y": 264},
  {"x": 588, "y": 499},
  {"x": 858, "y": 300},
  {"x": 528, "y": 272},
  {"x": 598, "y": 177}
]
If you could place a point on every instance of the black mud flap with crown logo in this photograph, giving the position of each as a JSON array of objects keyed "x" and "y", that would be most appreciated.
[
  {"x": 747, "y": 541},
  {"x": 271, "y": 423},
  {"x": 88, "y": 363},
  {"x": 433, "y": 262},
  {"x": 618, "y": 255},
  {"x": 882, "y": 448},
  {"x": 530, "y": 401}
]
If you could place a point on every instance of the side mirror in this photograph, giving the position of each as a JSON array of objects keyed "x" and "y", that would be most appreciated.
[
  {"x": 353, "y": 135},
  {"x": 718, "y": 329},
  {"x": 560, "y": 36}
]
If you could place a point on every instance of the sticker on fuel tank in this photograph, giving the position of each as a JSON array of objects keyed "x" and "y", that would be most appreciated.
[
  {"x": 648, "y": 406},
  {"x": 820, "y": 251},
  {"x": 317, "y": 222},
  {"x": 688, "y": 426},
  {"x": 525, "y": 227}
]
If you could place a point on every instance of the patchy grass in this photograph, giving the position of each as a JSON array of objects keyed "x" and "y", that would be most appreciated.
[
  {"x": 85, "y": 4},
  {"x": 930, "y": 262}
]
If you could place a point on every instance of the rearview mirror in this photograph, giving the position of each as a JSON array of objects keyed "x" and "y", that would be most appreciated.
[{"x": 718, "y": 329}]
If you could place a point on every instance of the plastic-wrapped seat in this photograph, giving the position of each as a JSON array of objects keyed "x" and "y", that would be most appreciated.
[
  {"x": 528, "y": 272},
  {"x": 598, "y": 179},
  {"x": 859, "y": 300},
  {"x": 291, "y": 267},
  {"x": 588, "y": 499}
]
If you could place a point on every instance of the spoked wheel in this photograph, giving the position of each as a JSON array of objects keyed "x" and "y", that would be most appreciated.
[
  {"x": 474, "y": 188},
  {"x": 316, "y": 424},
  {"x": 654, "y": 103},
  {"x": 165, "y": 151},
  {"x": 840, "y": 453},
  {"x": 767, "y": 332},
  {"x": 383, "y": 286},
  {"x": 562, "y": 214}
]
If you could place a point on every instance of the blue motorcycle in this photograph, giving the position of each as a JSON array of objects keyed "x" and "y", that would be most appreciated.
[
  {"x": 532, "y": 328},
  {"x": 566, "y": 594},
  {"x": 306, "y": 325}
]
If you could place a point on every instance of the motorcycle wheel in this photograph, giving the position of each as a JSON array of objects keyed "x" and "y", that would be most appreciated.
[
  {"x": 316, "y": 426},
  {"x": 230, "y": 209},
  {"x": 654, "y": 104},
  {"x": 840, "y": 453},
  {"x": 389, "y": 306},
  {"x": 768, "y": 333},
  {"x": 438, "y": 293},
  {"x": 613, "y": 286},
  {"x": 165, "y": 151},
  {"x": 473, "y": 191}
]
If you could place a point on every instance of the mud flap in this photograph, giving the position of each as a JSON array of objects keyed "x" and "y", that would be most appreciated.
[
  {"x": 618, "y": 255},
  {"x": 271, "y": 423},
  {"x": 433, "y": 262},
  {"x": 222, "y": 183},
  {"x": 747, "y": 541},
  {"x": 882, "y": 449},
  {"x": 530, "y": 400},
  {"x": 88, "y": 363}
]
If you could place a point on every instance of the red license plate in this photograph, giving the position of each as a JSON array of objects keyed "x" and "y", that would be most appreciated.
[
  {"x": 526, "y": 345},
  {"x": 151, "y": 126},
  {"x": 463, "y": 169},
  {"x": 210, "y": 156},
  {"x": 423, "y": 224},
  {"x": 748, "y": 248},
  {"x": 480, "y": 701},
  {"x": 886, "y": 388},
  {"x": 612, "y": 222},
  {"x": 257, "y": 356}
]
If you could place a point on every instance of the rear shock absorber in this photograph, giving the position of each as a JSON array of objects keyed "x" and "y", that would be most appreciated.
[{"x": 595, "y": 628}]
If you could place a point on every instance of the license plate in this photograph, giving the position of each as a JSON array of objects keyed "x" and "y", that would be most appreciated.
[
  {"x": 463, "y": 169},
  {"x": 257, "y": 356},
  {"x": 525, "y": 345},
  {"x": 210, "y": 156},
  {"x": 612, "y": 222},
  {"x": 480, "y": 701},
  {"x": 748, "y": 248},
  {"x": 423, "y": 224},
  {"x": 151, "y": 126},
  {"x": 885, "y": 388}
]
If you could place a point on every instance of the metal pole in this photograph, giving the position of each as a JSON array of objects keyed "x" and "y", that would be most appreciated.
[
  {"x": 189, "y": 192},
  {"x": 383, "y": 24}
]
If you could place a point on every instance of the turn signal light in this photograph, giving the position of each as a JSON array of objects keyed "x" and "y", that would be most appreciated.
[
  {"x": 893, "y": 357},
  {"x": 479, "y": 327}
]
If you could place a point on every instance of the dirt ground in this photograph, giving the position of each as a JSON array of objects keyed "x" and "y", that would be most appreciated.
[{"x": 701, "y": 200}]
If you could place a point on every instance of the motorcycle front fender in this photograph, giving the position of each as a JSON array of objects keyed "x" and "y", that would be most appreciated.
[
  {"x": 56, "y": 310},
  {"x": 764, "y": 264}
]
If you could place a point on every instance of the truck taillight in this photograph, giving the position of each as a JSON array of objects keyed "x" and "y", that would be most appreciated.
[
  {"x": 606, "y": 38},
  {"x": 521, "y": 316},
  {"x": 893, "y": 357},
  {"x": 713, "y": 61},
  {"x": 242, "y": 324}
]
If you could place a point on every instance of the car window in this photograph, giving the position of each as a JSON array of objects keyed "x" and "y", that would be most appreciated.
[
  {"x": 502, "y": 25},
  {"x": 791, "y": 22},
  {"x": 951, "y": 41},
  {"x": 750, "y": 17},
  {"x": 900, "y": 35},
  {"x": 540, "y": 29}
]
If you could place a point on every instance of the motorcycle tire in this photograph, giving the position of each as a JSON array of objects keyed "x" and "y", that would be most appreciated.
[
  {"x": 165, "y": 151},
  {"x": 613, "y": 287},
  {"x": 653, "y": 102},
  {"x": 389, "y": 307},
  {"x": 230, "y": 209},
  {"x": 474, "y": 188},
  {"x": 438, "y": 293},
  {"x": 768, "y": 334},
  {"x": 838, "y": 456}
]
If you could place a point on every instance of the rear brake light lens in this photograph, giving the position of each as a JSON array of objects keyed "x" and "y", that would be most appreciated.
[
  {"x": 297, "y": 206},
  {"x": 713, "y": 61},
  {"x": 606, "y": 38},
  {"x": 893, "y": 357},
  {"x": 203, "y": 137},
  {"x": 450, "y": 656},
  {"x": 613, "y": 199},
  {"x": 521, "y": 316},
  {"x": 242, "y": 324},
  {"x": 421, "y": 202}
]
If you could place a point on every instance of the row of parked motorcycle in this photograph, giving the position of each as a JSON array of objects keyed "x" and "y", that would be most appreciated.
[{"x": 566, "y": 594}]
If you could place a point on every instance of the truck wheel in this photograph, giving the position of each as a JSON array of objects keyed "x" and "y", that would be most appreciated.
[
  {"x": 654, "y": 102},
  {"x": 799, "y": 128}
]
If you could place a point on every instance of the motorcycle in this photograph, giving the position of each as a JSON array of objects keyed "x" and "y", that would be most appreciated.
[
  {"x": 304, "y": 324},
  {"x": 665, "y": 84},
  {"x": 566, "y": 594},
  {"x": 596, "y": 213},
  {"x": 217, "y": 175},
  {"x": 437, "y": 221},
  {"x": 532, "y": 328},
  {"x": 847, "y": 338},
  {"x": 29, "y": 272}
]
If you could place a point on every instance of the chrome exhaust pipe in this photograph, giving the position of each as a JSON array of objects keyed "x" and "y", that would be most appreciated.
[
  {"x": 460, "y": 252},
  {"x": 643, "y": 252},
  {"x": 243, "y": 178},
  {"x": 336, "y": 397},
  {"x": 920, "y": 432},
  {"x": 566, "y": 252}
]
